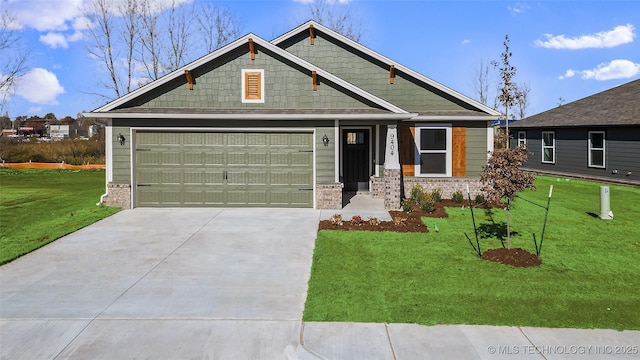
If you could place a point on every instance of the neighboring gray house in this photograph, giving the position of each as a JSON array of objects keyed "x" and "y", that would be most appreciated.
[
  {"x": 291, "y": 123},
  {"x": 594, "y": 137}
]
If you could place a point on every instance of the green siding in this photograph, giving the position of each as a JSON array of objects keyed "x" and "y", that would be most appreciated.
[
  {"x": 372, "y": 76},
  {"x": 218, "y": 85},
  {"x": 121, "y": 155},
  {"x": 476, "y": 147},
  {"x": 325, "y": 156}
]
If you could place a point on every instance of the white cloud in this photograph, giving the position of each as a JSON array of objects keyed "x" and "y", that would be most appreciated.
[
  {"x": 519, "y": 8},
  {"x": 46, "y": 15},
  {"x": 54, "y": 40},
  {"x": 616, "y": 69},
  {"x": 568, "y": 74},
  {"x": 466, "y": 42},
  {"x": 622, "y": 34},
  {"x": 39, "y": 86}
]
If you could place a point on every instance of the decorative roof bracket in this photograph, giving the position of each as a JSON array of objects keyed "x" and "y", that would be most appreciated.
[
  {"x": 392, "y": 73},
  {"x": 311, "y": 34},
  {"x": 189, "y": 77},
  {"x": 314, "y": 75},
  {"x": 252, "y": 49}
]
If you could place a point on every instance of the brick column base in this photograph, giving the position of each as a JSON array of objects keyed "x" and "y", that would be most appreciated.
[
  {"x": 329, "y": 196},
  {"x": 392, "y": 190},
  {"x": 119, "y": 195}
]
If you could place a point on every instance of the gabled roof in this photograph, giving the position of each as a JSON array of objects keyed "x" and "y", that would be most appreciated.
[
  {"x": 619, "y": 106},
  {"x": 430, "y": 82},
  {"x": 112, "y": 109}
]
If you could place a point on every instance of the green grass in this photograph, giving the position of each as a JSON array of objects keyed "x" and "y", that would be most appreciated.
[
  {"x": 36, "y": 207},
  {"x": 589, "y": 277}
]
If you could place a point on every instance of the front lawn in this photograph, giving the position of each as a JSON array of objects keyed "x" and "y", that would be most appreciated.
[
  {"x": 39, "y": 206},
  {"x": 589, "y": 277}
]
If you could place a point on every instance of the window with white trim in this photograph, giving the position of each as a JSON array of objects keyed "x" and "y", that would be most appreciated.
[
  {"x": 434, "y": 150},
  {"x": 549, "y": 147},
  {"x": 522, "y": 138},
  {"x": 596, "y": 149},
  {"x": 253, "y": 86}
]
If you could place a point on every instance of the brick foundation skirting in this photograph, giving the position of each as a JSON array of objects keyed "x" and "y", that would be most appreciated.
[
  {"x": 329, "y": 196},
  {"x": 377, "y": 187},
  {"x": 119, "y": 195},
  {"x": 447, "y": 185}
]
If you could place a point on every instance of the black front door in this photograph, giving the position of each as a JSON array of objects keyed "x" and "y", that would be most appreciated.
[{"x": 355, "y": 159}]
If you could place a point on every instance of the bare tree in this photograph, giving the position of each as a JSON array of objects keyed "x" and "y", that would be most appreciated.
[
  {"x": 343, "y": 22},
  {"x": 151, "y": 51},
  {"x": 103, "y": 35},
  {"x": 522, "y": 100},
  {"x": 217, "y": 25},
  {"x": 130, "y": 36},
  {"x": 481, "y": 82},
  {"x": 178, "y": 30},
  {"x": 13, "y": 58}
]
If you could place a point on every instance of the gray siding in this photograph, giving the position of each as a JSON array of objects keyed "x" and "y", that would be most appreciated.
[
  {"x": 622, "y": 152},
  {"x": 121, "y": 155}
]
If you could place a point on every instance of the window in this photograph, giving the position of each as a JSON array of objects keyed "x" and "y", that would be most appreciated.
[
  {"x": 522, "y": 138},
  {"x": 549, "y": 147},
  {"x": 355, "y": 138},
  {"x": 596, "y": 149},
  {"x": 253, "y": 86},
  {"x": 434, "y": 147}
]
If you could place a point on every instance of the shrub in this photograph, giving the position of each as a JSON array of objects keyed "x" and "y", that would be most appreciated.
[
  {"x": 407, "y": 206},
  {"x": 479, "y": 199},
  {"x": 428, "y": 203},
  {"x": 436, "y": 194},
  {"x": 74, "y": 152},
  {"x": 416, "y": 192},
  {"x": 457, "y": 196},
  {"x": 357, "y": 220},
  {"x": 374, "y": 221}
]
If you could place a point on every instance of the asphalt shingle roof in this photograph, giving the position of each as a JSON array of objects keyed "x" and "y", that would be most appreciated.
[{"x": 619, "y": 106}]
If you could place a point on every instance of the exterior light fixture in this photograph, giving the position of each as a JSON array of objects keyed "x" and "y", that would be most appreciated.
[
  {"x": 325, "y": 140},
  {"x": 121, "y": 139}
]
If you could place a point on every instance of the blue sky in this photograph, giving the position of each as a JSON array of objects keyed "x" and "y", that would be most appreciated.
[{"x": 562, "y": 49}]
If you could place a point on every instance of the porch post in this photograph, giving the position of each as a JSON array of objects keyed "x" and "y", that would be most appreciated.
[{"x": 392, "y": 183}]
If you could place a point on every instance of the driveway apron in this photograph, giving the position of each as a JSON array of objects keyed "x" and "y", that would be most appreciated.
[{"x": 163, "y": 283}]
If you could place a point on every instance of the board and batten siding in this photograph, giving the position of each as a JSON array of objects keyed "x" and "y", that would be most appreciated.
[
  {"x": 476, "y": 147},
  {"x": 121, "y": 158}
]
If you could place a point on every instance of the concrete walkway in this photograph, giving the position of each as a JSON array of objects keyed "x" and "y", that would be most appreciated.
[{"x": 225, "y": 284}]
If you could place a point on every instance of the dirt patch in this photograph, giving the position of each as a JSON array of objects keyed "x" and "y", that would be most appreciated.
[{"x": 516, "y": 257}]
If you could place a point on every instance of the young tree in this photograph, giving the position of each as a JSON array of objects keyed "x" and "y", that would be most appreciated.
[
  {"x": 508, "y": 90},
  {"x": 502, "y": 178}
]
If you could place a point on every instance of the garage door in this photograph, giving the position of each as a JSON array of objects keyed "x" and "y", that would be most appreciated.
[{"x": 224, "y": 169}]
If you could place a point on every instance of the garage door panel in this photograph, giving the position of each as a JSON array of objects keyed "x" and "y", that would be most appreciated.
[{"x": 224, "y": 169}]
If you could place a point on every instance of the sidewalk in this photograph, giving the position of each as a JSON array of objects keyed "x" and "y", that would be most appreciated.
[{"x": 409, "y": 341}]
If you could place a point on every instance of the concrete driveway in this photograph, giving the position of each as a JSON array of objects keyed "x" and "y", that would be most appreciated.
[{"x": 163, "y": 284}]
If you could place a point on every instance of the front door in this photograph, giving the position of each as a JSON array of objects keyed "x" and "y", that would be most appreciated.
[{"x": 355, "y": 159}]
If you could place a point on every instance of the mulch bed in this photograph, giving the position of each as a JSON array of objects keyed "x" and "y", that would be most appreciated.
[
  {"x": 408, "y": 222},
  {"x": 516, "y": 257},
  {"x": 402, "y": 221}
]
